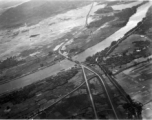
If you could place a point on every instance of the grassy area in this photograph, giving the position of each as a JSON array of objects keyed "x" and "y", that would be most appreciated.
[
  {"x": 10, "y": 62},
  {"x": 128, "y": 44},
  {"x": 29, "y": 66},
  {"x": 49, "y": 89},
  {"x": 127, "y": 51},
  {"x": 100, "y": 22},
  {"x": 36, "y": 96},
  {"x": 137, "y": 83},
  {"x": 32, "y": 12},
  {"x": 114, "y": 23},
  {"x": 138, "y": 80},
  {"x": 104, "y": 10},
  {"x": 146, "y": 26},
  {"x": 80, "y": 43},
  {"x": 35, "y": 62}
]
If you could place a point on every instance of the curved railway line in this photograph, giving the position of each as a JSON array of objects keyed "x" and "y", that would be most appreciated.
[{"x": 133, "y": 109}]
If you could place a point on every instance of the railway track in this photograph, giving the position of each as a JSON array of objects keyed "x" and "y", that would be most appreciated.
[{"x": 132, "y": 110}]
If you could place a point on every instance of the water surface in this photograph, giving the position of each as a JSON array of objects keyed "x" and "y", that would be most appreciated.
[{"x": 65, "y": 64}]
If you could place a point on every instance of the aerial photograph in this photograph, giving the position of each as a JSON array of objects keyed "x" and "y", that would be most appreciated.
[{"x": 76, "y": 59}]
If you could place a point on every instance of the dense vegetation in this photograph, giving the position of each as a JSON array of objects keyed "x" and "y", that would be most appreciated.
[
  {"x": 100, "y": 55},
  {"x": 104, "y": 10},
  {"x": 126, "y": 14},
  {"x": 21, "y": 95},
  {"x": 100, "y": 22},
  {"x": 141, "y": 49},
  {"x": 10, "y": 62},
  {"x": 146, "y": 26},
  {"x": 123, "y": 16},
  {"x": 142, "y": 46}
]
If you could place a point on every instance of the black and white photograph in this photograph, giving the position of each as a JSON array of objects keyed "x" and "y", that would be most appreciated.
[{"x": 76, "y": 59}]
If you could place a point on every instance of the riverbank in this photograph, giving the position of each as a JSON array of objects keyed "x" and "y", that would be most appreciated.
[
  {"x": 42, "y": 74},
  {"x": 98, "y": 30},
  {"x": 79, "y": 44},
  {"x": 47, "y": 89},
  {"x": 27, "y": 100}
]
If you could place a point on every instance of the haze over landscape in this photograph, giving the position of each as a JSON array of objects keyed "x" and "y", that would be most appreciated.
[{"x": 48, "y": 48}]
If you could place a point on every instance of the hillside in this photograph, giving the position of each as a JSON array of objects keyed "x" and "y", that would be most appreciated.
[{"x": 34, "y": 11}]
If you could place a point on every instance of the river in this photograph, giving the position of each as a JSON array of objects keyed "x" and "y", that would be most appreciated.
[{"x": 65, "y": 64}]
